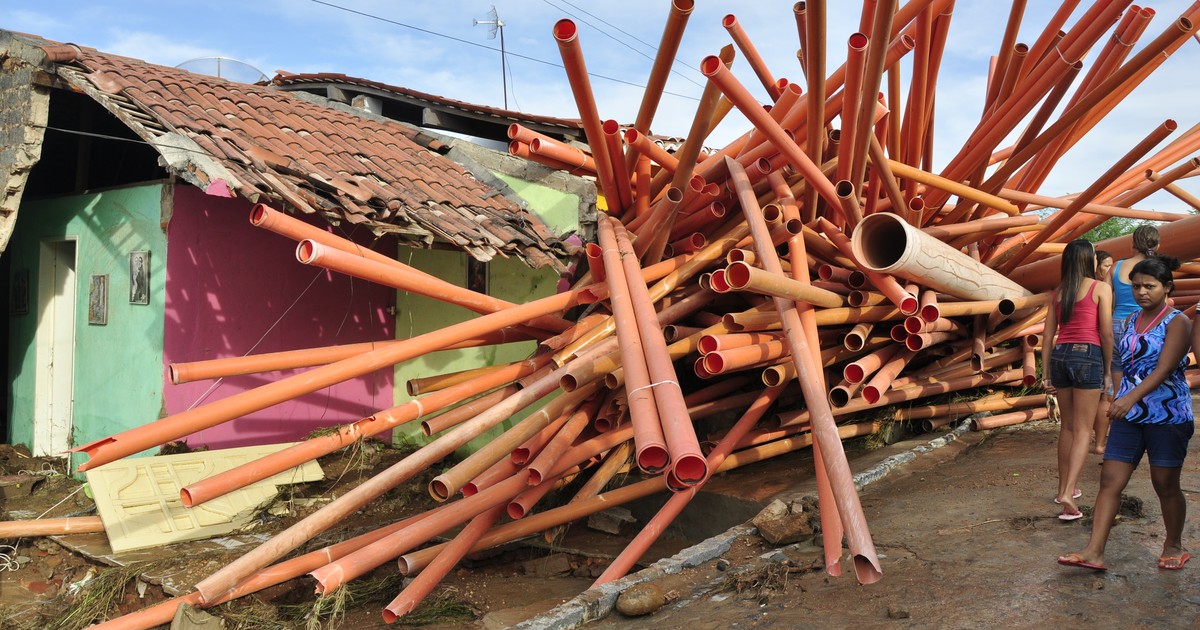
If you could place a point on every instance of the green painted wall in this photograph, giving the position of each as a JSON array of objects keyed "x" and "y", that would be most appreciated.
[
  {"x": 558, "y": 209},
  {"x": 508, "y": 279},
  {"x": 118, "y": 366}
]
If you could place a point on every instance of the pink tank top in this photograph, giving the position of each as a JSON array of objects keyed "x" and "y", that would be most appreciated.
[{"x": 1084, "y": 325}]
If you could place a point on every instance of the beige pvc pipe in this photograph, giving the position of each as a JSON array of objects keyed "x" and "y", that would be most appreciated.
[{"x": 885, "y": 243}]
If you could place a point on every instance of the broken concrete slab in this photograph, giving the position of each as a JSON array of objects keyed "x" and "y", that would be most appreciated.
[{"x": 784, "y": 523}]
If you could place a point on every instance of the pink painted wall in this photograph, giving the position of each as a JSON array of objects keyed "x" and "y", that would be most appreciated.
[{"x": 233, "y": 289}]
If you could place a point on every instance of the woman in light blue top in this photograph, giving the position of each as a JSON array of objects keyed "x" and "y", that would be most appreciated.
[{"x": 1145, "y": 244}]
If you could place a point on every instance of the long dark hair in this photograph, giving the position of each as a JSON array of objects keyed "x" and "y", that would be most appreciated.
[
  {"x": 1159, "y": 268},
  {"x": 1078, "y": 262}
]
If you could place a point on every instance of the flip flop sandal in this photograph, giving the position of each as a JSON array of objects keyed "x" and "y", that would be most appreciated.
[{"x": 1078, "y": 493}]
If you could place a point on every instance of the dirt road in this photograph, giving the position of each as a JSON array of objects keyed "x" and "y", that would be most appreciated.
[{"x": 968, "y": 538}]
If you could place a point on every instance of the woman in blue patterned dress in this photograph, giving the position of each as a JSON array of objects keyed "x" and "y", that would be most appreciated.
[{"x": 1152, "y": 414}]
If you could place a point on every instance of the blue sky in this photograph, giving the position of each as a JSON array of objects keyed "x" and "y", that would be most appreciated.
[{"x": 618, "y": 39}]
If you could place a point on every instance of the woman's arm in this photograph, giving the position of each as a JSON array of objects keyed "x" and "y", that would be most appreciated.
[
  {"x": 1104, "y": 303},
  {"x": 1048, "y": 333},
  {"x": 1178, "y": 340}
]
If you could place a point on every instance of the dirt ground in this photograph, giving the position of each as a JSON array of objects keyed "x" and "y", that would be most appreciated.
[{"x": 966, "y": 535}]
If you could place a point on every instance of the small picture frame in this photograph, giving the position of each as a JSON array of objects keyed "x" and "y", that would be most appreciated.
[
  {"x": 139, "y": 277},
  {"x": 98, "y": 300},
  {"x": 19, "y": 299}
]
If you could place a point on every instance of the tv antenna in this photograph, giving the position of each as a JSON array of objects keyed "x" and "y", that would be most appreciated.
[{"x": 497, "y": 24}]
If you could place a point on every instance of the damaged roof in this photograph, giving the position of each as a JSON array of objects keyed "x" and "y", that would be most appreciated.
[{"x": 265, "y": 144}]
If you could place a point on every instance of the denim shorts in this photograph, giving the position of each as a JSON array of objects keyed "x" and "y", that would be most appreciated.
[
  {"x": 1118, "y": 332},
  {"x": 1166, "y": 444},
  {"x": 1078, "y": 365}
]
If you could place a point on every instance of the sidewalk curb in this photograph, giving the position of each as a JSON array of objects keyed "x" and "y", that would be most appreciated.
[{"x": 596, "y": 603}]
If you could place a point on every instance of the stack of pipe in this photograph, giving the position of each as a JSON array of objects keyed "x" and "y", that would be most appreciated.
[{"x": 814, "y": 268}]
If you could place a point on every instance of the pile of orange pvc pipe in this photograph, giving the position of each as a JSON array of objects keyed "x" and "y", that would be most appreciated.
[{"x": 814, "y": 268}]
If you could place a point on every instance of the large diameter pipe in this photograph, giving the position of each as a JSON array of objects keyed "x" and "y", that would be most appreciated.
[
  {"x": 866, "y": 564},
  {"x": 885, "y": 243}
]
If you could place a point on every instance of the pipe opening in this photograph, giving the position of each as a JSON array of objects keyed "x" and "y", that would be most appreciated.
[
  {"x": 426, "y": 428},
  {"x": 719, "y": 282},
  {"x": 858, "y": 41},
  {"x": 709, "y": 65},
  {"x": 389, "y": 616},
  {"x": 515, "y": 510},
  {"x": 439, "y": 490},
  {"x": 690, "y": 469},
  {"x": 854, "y": 342},
  {"x": 707, "y": 344},
  {"x": 737, "y": 275},
  {"x": 653, "y": 459},
  {"x": 713, "y": 363},
  {"x": 258, "y": 214},
  {"x": 729, "y": 20},
  {"x": 520, "y": 456},
  {"x": 173, "y": 373},
  {"x": 854, "y": 373},
  {"x": 513, "y": 130},
  {"x": 568, "y": 383},
  {"x": 857, "y": 280},
  {"x": 469, "y": 489},
  {"x": 306, "y": 251},
  {"x": 871, "y": 394},
  {"x": 610, "y": 126},
  {"x": 611, "y": 381},
  {"x": 930, "y": 313},
  {"x": 883, "y": 240},
  {"x": 914, "y": 325},
  {"x": 565, "y": 30},
  {"x": 773, "y": 376},
  {"x": 909, "y": 305},
  {"x": 839, "y": 396},
  {"x": 185, "y": 497},
  {"x": 914, "y": 342},
  {"x": 898, "y": 333}
]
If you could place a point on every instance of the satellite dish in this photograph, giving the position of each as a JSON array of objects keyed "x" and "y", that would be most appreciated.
[{"x": 225, "y": 68}]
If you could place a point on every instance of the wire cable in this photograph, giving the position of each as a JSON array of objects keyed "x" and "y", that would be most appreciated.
[{"x": 485, "y": 47}]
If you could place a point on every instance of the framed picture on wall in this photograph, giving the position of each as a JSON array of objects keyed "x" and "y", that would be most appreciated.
[
  {"x": 98, "y": 300},
  {"x": 19, "y": 302},
  {"x": 139, "y": 277}
]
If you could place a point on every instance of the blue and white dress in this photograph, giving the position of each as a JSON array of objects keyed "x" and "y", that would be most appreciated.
[{"x": 1170, "y": 402}]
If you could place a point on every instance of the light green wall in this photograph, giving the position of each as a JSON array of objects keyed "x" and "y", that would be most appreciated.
[
  {"x": 118, "y": 366},
  {"x": 508, "y": 279},
  {"x": 558, "y": 210}
]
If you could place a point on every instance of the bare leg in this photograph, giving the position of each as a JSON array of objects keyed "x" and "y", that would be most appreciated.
[
  {"x": 1114, "y": 476},
  {"x": 1083, "y": 404},
  {"x": 1066, "y": 438},
  {"x": 1174, "y": 507}
]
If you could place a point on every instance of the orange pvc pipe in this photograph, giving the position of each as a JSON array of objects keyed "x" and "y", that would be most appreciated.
[
  {"x": 1009, "y": 419},
  {"x": 716, "y": 72},
  {"x": 667, "y": 514},
  {"x": 465, "y": 411},
  {"x": 743, "y": 277},
  {"x": 642, "y": 144},
  {"x": 188, "y": 422},
  {"x": 522, "y": 150},
  {"x": 541, "y": 465},
  {"x": 825, "y": 431},
  {"x": 668, "y": 46},
  {"x": 561, "y": 152},
  {"x": 292, "y": 456},
  {"x": 856, "y": 58},
  {"x": 874, "y": 389},
  {"x": 641, "y": 198},
  {"x": 858, "y": 371},
  {"x": 651, "y": 447},
  {"x": 687, "y": 463},
  {"x": 731, "y": 24},
  {"x": 567, "y": 36},
  {"x": 612, "y": 140},
  {"x": 313, "y": 253},
  {"x": 420, "y": 587},
  {"x": 51, "y": 527}
]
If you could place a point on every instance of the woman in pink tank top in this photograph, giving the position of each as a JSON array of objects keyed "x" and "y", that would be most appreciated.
[{"x": 1076, "y": 355}]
